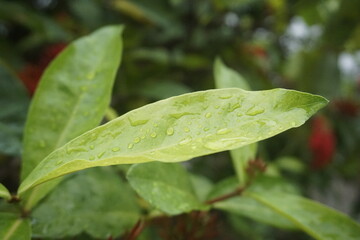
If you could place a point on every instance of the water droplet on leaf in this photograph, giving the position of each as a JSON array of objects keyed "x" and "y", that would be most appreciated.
[
  {"x": 137, "y": 139},
  {"x": 185, "y": 141},
  {"x": 208, "y": 115},
  {"x": 115, "y": 149},
  {"x": 170, "y": 131},
  {"x": 153, "y": 134},
  {"x": 255, "y": 110},
  {"x": 223, "y": 131}
]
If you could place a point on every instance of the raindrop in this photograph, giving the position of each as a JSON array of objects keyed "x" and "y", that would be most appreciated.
[
  {"x": 231, "y": 108},
  {"x": 217, "y": 106},
  {"x": 137, "y": 122},
  {"x": 153, "y": 134},
  {"x": 91, "y": 158},
  {"x": 70, "y": 150},
  {"x": 255, "y": 110},
  {"x": 100, "y": 154},
  {"x": 170, "y": 131},
  {"x": 206, "y": 129},
  {"x": 186, "y": 129},
  {"x": 179, "y": 115},
  {"x": 239, "y": 114},
  {"x": 223, "y": 131},
  {"x": 92, "y": 147},
  {"x": 155, "y": 125},
  {"x": 137, "y": 139},
  {"x": 143, "y": 137},
  {"x": 185, "y": 141},
  {"x": 208, "y": 115},
  {"x": 115, "y": 149},
  {"x": 130, "y": 146}
]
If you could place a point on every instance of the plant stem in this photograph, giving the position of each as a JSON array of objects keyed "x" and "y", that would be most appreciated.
[{"x": 235, "y": 193}]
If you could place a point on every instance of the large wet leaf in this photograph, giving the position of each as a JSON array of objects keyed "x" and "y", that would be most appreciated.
[
  {"x": 319, "y": 221},
  {"x": 14, "y": 102},
  {"x": 71, "y": 98},
  {"x": 164, "y": 185},
  {"x": 100, "y": 203},
  {"x": 4, "y": 193},
  {"x": 180, "y": 128},
  {"x": 225, "y": 78},
  {"x": 12, "y": 227}
]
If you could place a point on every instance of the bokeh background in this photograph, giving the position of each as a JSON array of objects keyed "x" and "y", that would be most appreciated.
[{"x": 169, "y": 49}]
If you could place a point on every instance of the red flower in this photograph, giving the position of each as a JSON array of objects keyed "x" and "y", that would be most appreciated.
[
  {"x": 347, "y": 107},
  {"x": 31, "y": 73},
  {"x": 322, "y": 142}
]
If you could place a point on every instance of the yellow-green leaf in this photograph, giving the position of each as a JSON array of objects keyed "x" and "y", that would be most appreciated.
[
  {"x": 180, "y": 128},
  {"x": 4, "y": 193}
]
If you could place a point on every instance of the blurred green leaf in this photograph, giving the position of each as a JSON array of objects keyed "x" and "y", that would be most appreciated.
[
  {"x": 72, "y": 97},
  {"x": 202, "y": 186},
  {"x": 95, "y": 201},
  {"x": 12, "y": 227},
  {"x": 164, "y": 185},
  {"x": 317, "y": 220},
  {"x": 164, "y": 89},
  {"x": 14, "y": 101},
  {"x": 248, "y": 207},
  {"x": 181, "y": 130},
  {"x": 4, "y": 192}
]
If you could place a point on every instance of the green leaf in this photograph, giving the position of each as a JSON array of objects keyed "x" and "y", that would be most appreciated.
[
  {"x": 248, "y": 207},
  {"x": 4, "y": 193},
  {"x": 226, "y": 78},
  {"x": 202, "y": 186},
  {"x": 15, "y": 101},
  {"x": 181, "y": 128},
  {"x": 100, "y": 203},
  {"x": 164, "y": 185},
  {"x": 319, "y": 221},
  {"x": 72, "y": 97},
  {"x": 73, "y": 94},
  {"x": 12, "y": 227}
]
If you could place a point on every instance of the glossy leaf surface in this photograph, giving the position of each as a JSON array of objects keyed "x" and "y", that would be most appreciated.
[
  {"x": 72, "y": 95},
  {"x": 166, "y": 186},
  {"x": 14, "y": 102},
  {"x": 12, "y": 227},
  {"x": 319, "y": 221},
  {"x": 4, "y": 193},
  {"x": 180, "y": 128},
  {"x": 95, "y": 201}
]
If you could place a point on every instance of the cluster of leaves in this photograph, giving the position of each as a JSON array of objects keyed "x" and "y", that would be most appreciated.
[{"x": 77, "y": 88}]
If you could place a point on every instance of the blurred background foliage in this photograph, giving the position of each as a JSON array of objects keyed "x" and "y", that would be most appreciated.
[{"x": 169, "y": 49}]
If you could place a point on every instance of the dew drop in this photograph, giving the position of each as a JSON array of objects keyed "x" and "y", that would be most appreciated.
[
  {"x": 208, "y": 115},
  {"x": 206, "y": 129},
  {"x": 153, "y": 134},
  {"x": 91, "y": 158},
  {"x": 170, "y": 131},
  {"x": 255, "y": 110},
  {"x": 155, "y": 125},
  {"x": 92, "y": 147},
  {"x": 239, "y": 114},
  {"x": 143, "y": 137},
  {"x": 185, "y": 141},
  {"x": 100, "y": 154},
  {"x": 130, "y": 146},
  {"x": 137, "y": 122},
  {"x": 223, "y": 131},
  {"x": 217, "y": 106},
  {"x": 115, "y": 149},
  {"x": 186, "y": 129},
  {"x": 137, "y": 140},
  {"x": 293, "y": 124},
  {"x": 179, "y": 115},
  {"x": 231, "y": 108}
]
